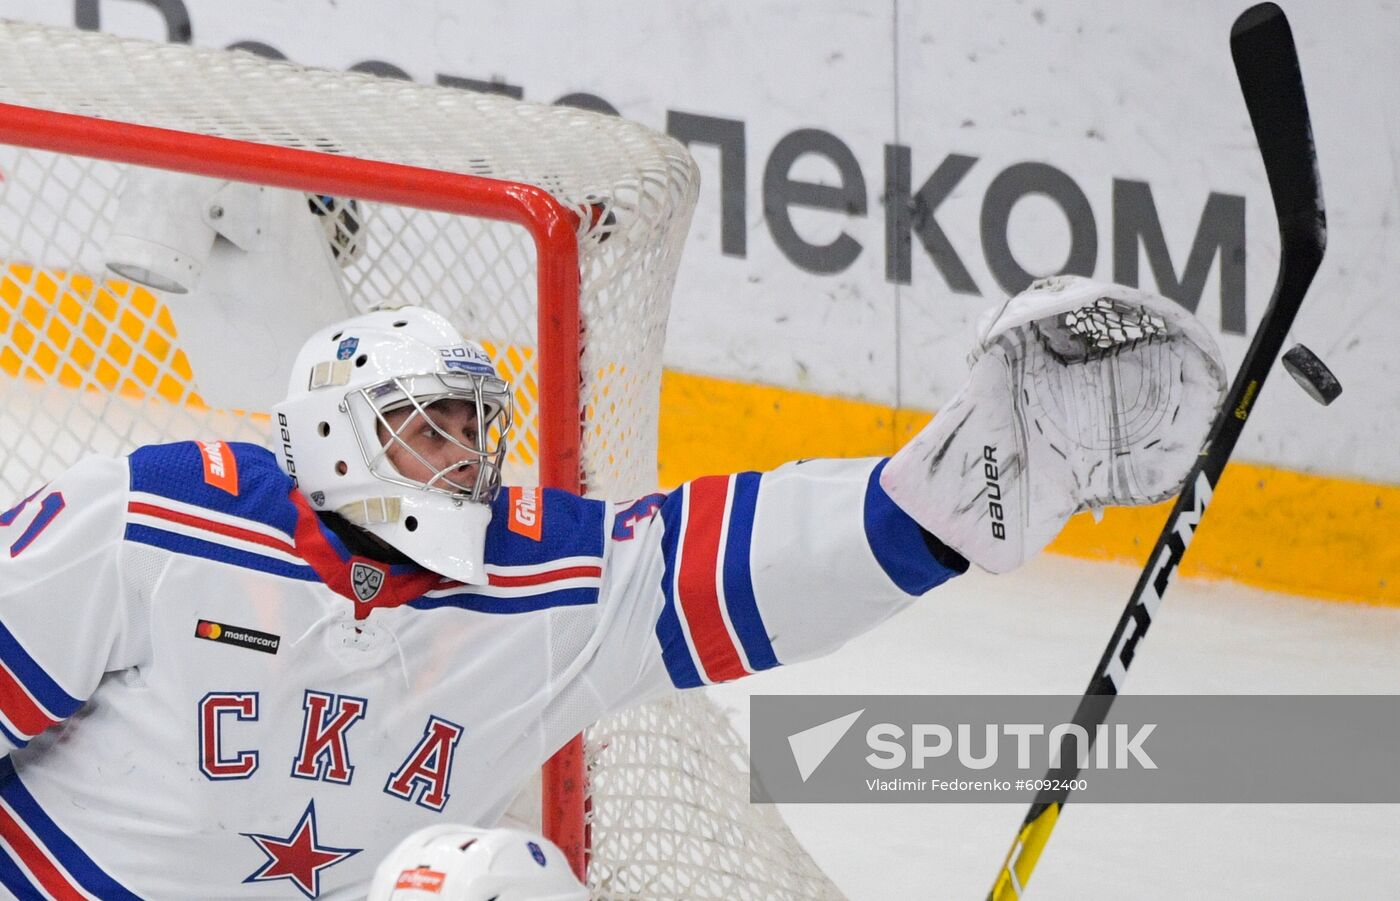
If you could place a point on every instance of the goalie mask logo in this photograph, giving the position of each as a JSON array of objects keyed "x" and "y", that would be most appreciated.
[{"x": 366, "y": 580}]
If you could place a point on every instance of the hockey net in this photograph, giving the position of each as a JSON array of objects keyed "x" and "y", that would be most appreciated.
[{"x": 510, "y": 209}]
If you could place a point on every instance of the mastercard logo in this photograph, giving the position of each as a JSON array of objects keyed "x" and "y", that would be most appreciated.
[{"x": 237, "y": 636}]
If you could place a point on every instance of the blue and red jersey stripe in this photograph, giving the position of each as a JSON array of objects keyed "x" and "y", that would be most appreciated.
[
  {"x": 30, "y": 700},
  {"x": 710, "y": 627},
  {"x": 38, "y": 859}
]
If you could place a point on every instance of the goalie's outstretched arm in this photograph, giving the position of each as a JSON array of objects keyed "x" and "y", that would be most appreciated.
[
  {"x": 731, "y": 575},
  {"x": 1081, "y": 395}
]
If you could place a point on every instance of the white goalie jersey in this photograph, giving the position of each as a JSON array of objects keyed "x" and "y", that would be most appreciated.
[{"x": 205, "y": 693}]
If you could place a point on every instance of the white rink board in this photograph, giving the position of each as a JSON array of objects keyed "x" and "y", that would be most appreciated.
[{"x": 1100, "y": 93}]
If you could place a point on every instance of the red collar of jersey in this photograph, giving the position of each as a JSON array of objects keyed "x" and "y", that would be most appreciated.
[{"x": 338, "y": 568}]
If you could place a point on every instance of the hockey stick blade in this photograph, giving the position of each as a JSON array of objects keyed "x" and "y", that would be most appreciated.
[
  {"x": 1271, "y": 81},
  {"x": 1266, "y": 63}
]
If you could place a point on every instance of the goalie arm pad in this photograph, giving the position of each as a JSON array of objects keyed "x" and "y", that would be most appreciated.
[
  {"x": 730, "y": 575},
  {"x": 1081, "y": 395}
]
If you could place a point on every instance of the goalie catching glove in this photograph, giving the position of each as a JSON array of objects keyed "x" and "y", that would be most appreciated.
[{"x": 1082, "y": 395}]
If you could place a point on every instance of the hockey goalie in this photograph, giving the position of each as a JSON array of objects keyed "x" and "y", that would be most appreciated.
[{"x": 231, "y": 672}]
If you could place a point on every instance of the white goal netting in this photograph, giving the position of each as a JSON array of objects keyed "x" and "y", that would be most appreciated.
[{"x": 93, "y": 362}]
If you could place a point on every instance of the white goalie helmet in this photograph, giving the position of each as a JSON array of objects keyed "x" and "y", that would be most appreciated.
[
  {"x": 464, "y": 863},
  {"x": 397, "y": 423}
]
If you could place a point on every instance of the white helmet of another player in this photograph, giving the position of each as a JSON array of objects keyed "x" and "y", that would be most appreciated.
[
  {"x": 464, "y": 863},
  {"x": 398, "y": 424}
]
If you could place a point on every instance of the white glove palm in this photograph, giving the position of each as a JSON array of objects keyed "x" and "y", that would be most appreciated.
[{"x": 1082, "y": 395}]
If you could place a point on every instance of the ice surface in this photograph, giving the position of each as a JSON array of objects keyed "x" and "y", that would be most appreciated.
[{"x": 1041, "y": 630}]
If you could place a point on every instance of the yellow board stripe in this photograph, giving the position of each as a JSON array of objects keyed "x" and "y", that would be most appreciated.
[{"x": 1317, "y": 536}]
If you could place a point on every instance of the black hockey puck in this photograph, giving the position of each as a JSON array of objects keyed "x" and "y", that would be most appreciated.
[{"x": 1312, "y": 374}]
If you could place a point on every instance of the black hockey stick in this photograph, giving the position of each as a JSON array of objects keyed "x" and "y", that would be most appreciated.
[{"x": 1266, "y": 62}]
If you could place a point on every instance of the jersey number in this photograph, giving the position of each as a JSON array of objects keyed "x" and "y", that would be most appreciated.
[
  {"x": 49, "y": 508},
  {"x": 625, "y": 522}
]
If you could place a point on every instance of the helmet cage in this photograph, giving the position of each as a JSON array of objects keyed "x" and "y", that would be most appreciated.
[{"x": 476, "y": 474}]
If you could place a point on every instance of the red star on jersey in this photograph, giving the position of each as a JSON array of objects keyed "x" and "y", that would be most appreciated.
[{"x": 298, "y": 857}]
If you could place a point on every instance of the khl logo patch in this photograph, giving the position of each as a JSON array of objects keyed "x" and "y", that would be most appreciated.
[{"x": 366, "y": 580}]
